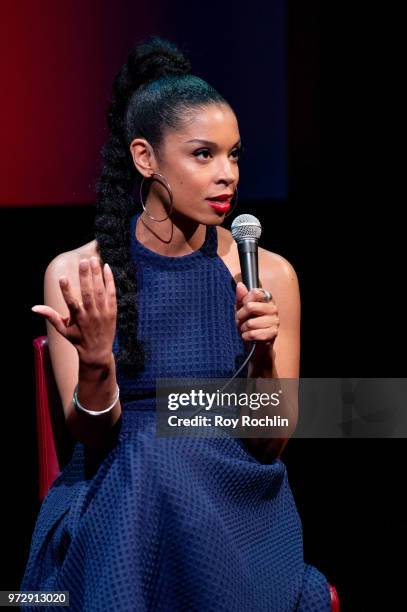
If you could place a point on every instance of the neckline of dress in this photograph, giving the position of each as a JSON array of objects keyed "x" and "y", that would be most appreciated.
[{"x": 209, "y": 246}]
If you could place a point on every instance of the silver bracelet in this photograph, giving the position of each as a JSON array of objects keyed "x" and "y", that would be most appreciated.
[{"x": 79, "y": 406}]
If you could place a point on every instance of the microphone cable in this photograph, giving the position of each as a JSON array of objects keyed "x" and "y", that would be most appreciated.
[
  {"x": 242, "y": 366},
  {"x": 254, "y": 343}
]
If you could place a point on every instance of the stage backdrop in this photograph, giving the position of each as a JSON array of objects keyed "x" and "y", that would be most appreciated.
[{"x": 58, "y": 60}]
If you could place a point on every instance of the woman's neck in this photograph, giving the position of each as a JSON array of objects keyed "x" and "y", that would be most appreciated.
[{"x": 173, "y": 237}]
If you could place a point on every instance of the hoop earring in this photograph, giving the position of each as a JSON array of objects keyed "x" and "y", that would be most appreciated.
[
  {"x": 165, "y": 184},
  {"x": 234, "y": 204}
]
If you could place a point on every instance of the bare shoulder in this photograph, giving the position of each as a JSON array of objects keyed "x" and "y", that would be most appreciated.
[
  {"x": 67, "y": 263},
  {"x": 276, "y": 268}
]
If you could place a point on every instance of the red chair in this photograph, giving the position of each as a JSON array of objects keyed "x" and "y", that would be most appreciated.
[
  {"x": 335, "y": 607},
  {"x": 55, "y": 444}
]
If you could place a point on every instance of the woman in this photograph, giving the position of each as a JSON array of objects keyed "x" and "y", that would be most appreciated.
[{"x": 137, "y": 522}]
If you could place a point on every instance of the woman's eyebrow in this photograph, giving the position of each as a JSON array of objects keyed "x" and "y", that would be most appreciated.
[{"x": 209, "y": 143}]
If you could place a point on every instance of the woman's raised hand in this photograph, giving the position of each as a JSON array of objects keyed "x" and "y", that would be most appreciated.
[{"x": 91, "y": 324}]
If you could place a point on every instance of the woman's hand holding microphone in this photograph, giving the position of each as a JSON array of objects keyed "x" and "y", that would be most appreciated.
[{"x": 256, "y": 319}]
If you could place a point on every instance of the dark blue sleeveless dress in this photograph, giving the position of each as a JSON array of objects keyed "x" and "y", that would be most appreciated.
[{"x": 175, "y": 524}]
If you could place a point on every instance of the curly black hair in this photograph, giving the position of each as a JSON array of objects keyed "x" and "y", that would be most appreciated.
[{"x": 152, "y": 92}]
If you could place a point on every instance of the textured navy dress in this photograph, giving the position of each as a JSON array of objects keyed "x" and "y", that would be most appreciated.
[{"x": 175, "y": 524}]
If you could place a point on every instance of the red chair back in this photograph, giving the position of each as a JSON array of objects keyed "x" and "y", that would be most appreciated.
[
  {"x": 335, "y": 606},
  {"x": 55, "y": 443}
]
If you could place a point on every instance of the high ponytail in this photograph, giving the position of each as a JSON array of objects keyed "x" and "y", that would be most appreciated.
[{"x": 152, "y": 92}]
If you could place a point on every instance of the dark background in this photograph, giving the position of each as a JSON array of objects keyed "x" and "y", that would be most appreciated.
[{"x": 329, "y": 211}]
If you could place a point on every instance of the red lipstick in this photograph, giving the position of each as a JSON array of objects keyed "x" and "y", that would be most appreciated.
[
  {"x": 220, "y": 207},
  {"x": 221, "y": 202}
]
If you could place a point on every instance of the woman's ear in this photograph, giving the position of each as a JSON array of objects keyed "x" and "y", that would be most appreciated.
[{"x": 143, "y": 156}]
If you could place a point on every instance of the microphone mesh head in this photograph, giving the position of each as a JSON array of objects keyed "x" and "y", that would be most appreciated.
[{"x": 246, "y": 226}]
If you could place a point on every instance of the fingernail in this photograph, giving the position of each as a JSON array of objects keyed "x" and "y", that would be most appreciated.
[
  {"x": 107, "y": 266},
  {"x": 34, "y": 308}
]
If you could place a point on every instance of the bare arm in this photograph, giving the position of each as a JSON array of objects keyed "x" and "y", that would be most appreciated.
[
  {"x": 88, "y": 364},
  {"x": 277, "y": 354},
  {"x": 282, "y": 358}
]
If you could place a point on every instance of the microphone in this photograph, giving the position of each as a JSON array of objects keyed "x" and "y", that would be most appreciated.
[{"x": 246, "y": 230}]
